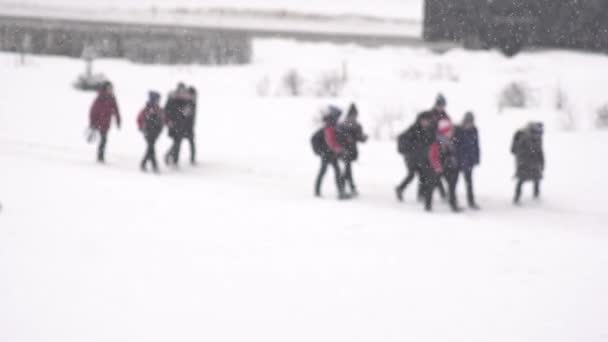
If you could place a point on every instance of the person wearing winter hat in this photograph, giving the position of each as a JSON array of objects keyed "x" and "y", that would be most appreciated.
[
  {"x": 190, "y": 123},
  {"x": 100, "y": 116},
  {"x": 527, "y": 147},
  {"x": 468, "y": 153},
  {"x": 177, "y": 108},
  {"x": 439, "y": 109},
  {"x": 440, "y": 101},
  {"x": 150, "y": 123},
  {"x": 437, "y": 113},
  {"x": 350, "y": 133},
  {"x": 414, "y": 144},
  {"x": 329, "y": 149},
  {"x": 443, "y": 162}
]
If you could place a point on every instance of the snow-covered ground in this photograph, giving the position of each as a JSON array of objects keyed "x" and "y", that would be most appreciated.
[
  {"x": 237, "y": 249},
  {"x": 408, "y": 9}
]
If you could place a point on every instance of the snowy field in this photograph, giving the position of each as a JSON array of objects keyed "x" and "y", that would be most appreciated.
[{"x": 237, "y": 249}]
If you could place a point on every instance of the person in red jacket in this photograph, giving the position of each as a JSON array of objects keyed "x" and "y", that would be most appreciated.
[
  {"x": 330, "y": 152},
  {"x": 103, "y": 109},
  {"x": 442, "y": 162},
  {"x": 150, "y": 123}
]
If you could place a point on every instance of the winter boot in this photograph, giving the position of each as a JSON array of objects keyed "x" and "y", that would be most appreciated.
[
  {"x": 399, "y": 194},
  {"x": 344, "y": 196},
  {"x": 168, "y": 157}
]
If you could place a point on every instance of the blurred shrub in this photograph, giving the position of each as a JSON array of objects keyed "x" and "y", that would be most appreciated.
[
  {"x": 515, "y": 95},
  {"x": 388, "y": 123},
  {"x": 564, "y": 110},
  {"x": 601, "y": 120},
  {"x": 263, "y": 87},
  {"x": 331, "y": 83},
  {"x": 292, "y": 83}
]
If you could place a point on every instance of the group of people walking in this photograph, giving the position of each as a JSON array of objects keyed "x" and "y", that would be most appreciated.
[
  {"x": 434, "y": 150},
  {"x": 178, "y": 115},
  {"x": 338, "y": 142}
]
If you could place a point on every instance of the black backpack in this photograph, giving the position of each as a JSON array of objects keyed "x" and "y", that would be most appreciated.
[
  {"x": 319, "y": 145},
  {"x": 154, "y": 122},
  {"x": 402, "y": 142}
]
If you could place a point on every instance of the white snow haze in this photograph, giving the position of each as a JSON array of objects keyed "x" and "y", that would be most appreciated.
[{"x": 238, "y": 249}]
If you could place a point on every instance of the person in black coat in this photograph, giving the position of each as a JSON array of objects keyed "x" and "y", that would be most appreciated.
[
  {"x": 350, "y": 133},
  {"x": 527, "y": 147},
  {"x": 190, "y": 119},
  {"x": 414, "y": 144},
  {"x": 443, "y": 160},
  {"x": 327, "y": 147},
  {"x": 177, "y": 109},
  {"x": 437, "y": 113},
  {"x": 467, "y": 149},
  {"x": 150, "y": 123}
]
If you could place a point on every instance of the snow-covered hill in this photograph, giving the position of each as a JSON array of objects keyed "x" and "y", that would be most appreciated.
[{"x": 237, "y": 249}]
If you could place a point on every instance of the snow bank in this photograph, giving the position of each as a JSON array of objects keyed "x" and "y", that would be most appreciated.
[{"x": 400, "y": 82}]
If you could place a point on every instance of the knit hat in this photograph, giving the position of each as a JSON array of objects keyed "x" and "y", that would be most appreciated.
[
  {"x": 424, "y": 116},
  {"x": 444, "y": 126},
  {"x": 352, "y": 110},
  {"x": 153, "y": 96},
  {"x": 106, "y": 85},
  {"x": 469, "y": 118},
  {"x": 440, "y": 100},
  {"x": 537, "y": 128},
  {"x": 332, "y": 114}
]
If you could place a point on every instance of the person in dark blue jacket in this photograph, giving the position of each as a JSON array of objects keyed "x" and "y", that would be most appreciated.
[{"x": 467, "y": 150}]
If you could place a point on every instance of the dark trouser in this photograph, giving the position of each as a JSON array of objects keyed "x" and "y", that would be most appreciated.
[
  {"x": 325, "y": 162},
  {"x": 428, "y": 183},
  {"x": 150, "y": 155},
  {"x": 192, "y": 143},
  {"x": 412, "y": 170},
  {"x": 101, "y": 149},
  {"x": 441, "y": 188},
  {"x": 438, "y": 185},
  {"x": 468, "y": 178},
  {"x": 451, "y": 176},
  {"x": 173, "y": 153},
  {"x": 430, "y": 180},
  {"x": 521, "y": 182},
  {"x": 347, "y": 176}
]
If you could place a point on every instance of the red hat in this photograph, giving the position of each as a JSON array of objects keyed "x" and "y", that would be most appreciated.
[{"x": 444, "y": 126}]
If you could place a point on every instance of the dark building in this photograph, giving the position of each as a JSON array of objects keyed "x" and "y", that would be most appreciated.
[
  {"x": 176, "y": 37},
  {"x": 513, "y": 24},
  {"x": 140, "y": 43}
]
